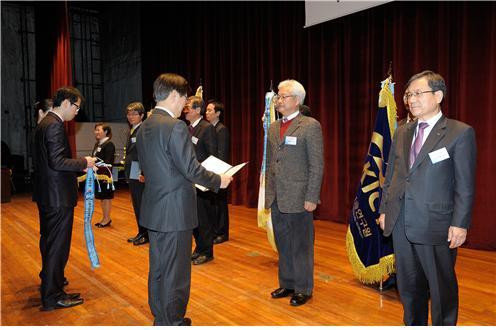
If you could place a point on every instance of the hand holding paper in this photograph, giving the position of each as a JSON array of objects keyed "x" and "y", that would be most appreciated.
[{"x": 222, "y": 168}]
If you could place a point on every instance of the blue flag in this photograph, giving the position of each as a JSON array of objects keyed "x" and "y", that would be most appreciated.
[{"x": 370, "y": 253}]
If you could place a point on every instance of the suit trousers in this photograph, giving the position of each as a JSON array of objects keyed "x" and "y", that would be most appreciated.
[
  {"x": 423, "y": 271},
  {"x": 136, "y": 188},
  {"x": 294, "y": 235},
  {"x": 222, "y": 214},
  {"x": 169, "y": 278},
  {"x": 204, "y": 233},
  {"x": 55, "y": 244}
]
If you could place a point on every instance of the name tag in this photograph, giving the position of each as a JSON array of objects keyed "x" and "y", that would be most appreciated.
[
  {"x": 290, "y": 140},
  {"x": 194, "y": 139},
  {"x": 98, "y": 149},
  {"x": 133, "y": 140},
  {"x": 439, "y": 155}
]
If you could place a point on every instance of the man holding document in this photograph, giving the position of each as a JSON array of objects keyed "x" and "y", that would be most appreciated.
[
  {"x": 168, "y": 208},
  {"x": 294, "y": 176},
  {"x": 427, "y": 202}
]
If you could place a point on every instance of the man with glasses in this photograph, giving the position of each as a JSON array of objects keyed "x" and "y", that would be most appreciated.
[
  {"x": 56, "y": 192},
  {"x": 294, "y": 176},
  {"x": 168, "y": 207},
  {"x": 427, "y": 202}
]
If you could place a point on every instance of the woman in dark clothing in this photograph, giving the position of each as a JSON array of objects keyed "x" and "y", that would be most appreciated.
[{"x": 105, "y": 150}]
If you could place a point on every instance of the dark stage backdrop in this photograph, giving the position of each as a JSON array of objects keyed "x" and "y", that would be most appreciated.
[{"x": 237, "y": 48}]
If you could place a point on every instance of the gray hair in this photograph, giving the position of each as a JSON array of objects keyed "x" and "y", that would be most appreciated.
[{"x": 295, "y": 87}]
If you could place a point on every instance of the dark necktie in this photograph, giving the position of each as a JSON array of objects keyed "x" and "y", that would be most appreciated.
[
  {"x": 191, "y": 128},
  {"x": 417, "y": 144}
]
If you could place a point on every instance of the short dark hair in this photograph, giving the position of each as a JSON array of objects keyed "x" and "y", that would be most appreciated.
[
  {"x": 106, "y": 128},
  {"x": 434, "y": 80},
  {"x": 67, "y": 93},
  {"x": 168, "y": 82},
  {"x": 197, "y": 102},
  {"x": 136, "y": 106},
  {"x": 218, "y": 107}
]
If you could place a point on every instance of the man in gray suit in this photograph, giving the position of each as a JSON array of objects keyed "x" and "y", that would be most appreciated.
[
  {"x": 294, "y": 176},
  {"x": 168, "y": 207},
  {"x": 427, "y": 202}
]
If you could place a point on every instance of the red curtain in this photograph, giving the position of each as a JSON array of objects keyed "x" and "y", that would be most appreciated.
[
  {"x": 237, "y": 49},
  {"x": 54, "y": 55}
]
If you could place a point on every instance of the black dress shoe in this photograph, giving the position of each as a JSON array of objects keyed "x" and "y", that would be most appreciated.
[
  {"x": 135, "y": 238},
  {"x": 75, "y": 295},
  {"x": 202, "y": 259},
  {"x": 141, "y": 240},
  {"x": 281, "y": 293},
  {"x": 100, "y": 225},
  {"x": 299, "y": 299},
  {"x": 186, "y": 322},
  {"x": 220, "y": 239},
  {"x": 64, "y": 303},
  {"x": 194, "y": 255}
]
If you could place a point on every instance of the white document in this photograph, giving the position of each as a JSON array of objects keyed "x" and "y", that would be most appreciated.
[
  {"x": 135, "y": 170},
  {"x": 439, "y": 155},
  {"x": 218, "y": 166}
]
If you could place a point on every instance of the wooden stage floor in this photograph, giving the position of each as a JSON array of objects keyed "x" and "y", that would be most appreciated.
[{"x": 234, "y": 289}]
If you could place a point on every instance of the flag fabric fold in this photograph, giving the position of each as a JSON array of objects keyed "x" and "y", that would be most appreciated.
[
  {"x": 263, "y": 215},
  {"x": 370, "y": 253}
]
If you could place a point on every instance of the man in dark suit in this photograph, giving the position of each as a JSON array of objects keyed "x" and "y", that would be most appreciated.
[
  {"x": 215, "y": 114},
  {"x": 135, "y": 112},
  {"x": 205, "y": 144},
  {"x": 168, "y": 207},
  {"x": 294, "y": 176},
  {"x": 427, "y": 202},
  {"x": 56, "y": 192}
]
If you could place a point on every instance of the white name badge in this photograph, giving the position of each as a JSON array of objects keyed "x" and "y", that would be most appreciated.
[
  {"x": 133, "y": 140},
  {"x": 194, "y": 139},
  {"x": 290, "y": 140},
  {"x": 98, "y": 149},
  {"x": 439, "y": 155}
]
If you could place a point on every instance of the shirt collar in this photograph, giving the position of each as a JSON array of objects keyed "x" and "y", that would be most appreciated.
[
  {"x": 56, "y": 114},
  {"x": 293, "y": 115},
  {"x": 102, "y": 141},
  {"x": 196, "y": 122},
  {"x": 431, "y": 122},
  {"x": 166, "y": 110}
]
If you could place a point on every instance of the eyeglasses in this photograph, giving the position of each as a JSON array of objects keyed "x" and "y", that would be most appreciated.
[
  {"x": 282, "y": 97},
  {"x": 78, "y": 107},
  {"x": 407, "y": 96}
]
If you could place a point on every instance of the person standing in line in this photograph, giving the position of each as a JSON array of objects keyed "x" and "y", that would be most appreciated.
[
  {"x": 215, "y": 115},
  {"x": 205, "y": 144},
  {"x": 56, "y": 191},
  {"x": 104, "y": 149},
  {"x": 135, "y": 113},
  {"x": 294, "y": 177},
  {"x": 168, "y": 207},
  {"x": 427, "y": 202}
]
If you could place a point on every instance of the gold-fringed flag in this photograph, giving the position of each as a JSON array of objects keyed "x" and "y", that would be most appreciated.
[
  {"x": 263, "y": 216},
  {"x": 370, "y": 253}
]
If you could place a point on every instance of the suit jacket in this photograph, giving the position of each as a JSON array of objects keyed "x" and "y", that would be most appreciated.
[
  {"x": 294, "y": 171},
  {"x": 435, "y": 196},
  {"x": 56, "y": 182},
  {"x": 106, "y": 153},
  {"x": 131, "y": 152},
  {"x": 206, "y": 144},
  {"x": 166, "y": 155},
  {"x": 223, "y": 142}
]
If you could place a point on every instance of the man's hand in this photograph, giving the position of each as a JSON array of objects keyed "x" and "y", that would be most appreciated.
[
  {"x": 456, "y": 236},
  {"x": 90, "y": 161},
  {"x": 309, "y": 206},
  {"x": 225, "y": 180},
  {"x": 141, "y": 178},
  {"x": 382, "y": 220}
]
